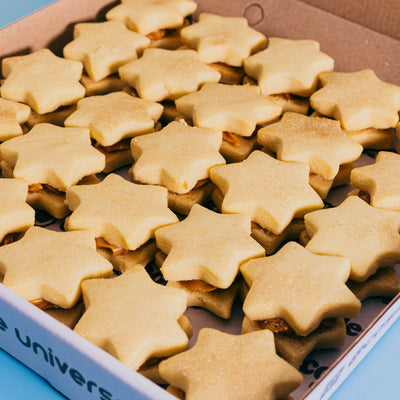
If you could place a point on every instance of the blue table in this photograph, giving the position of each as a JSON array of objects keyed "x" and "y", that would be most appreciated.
[{"x": 376, "y": 377}]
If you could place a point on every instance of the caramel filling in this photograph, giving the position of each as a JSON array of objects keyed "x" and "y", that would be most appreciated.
[
  {"x": 276, "y": 325},
  {"x": 11, "y": 237},
  {"x": 123, "y": 144},
  {"x": 101, "y": 243},
  {"x": 157, "y": 35},
  {"x": 231, "y": 138},
  {"x": 199, "y": 184},
  {"x": 36, "y": 187},
  {"x": 43, "y": 304},
  {"x": 198, "y": 285}
]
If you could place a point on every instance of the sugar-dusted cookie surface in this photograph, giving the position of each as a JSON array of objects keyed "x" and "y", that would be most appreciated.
[
  {"x": 115, "y": 116},
  {"x": 162, "y": 74},
  {"x": 207, "y": 246},
  {"x": 12, "y": 115},
  {"x": 368, "y": 236},
  {"x": 317, "y": 142},
  {"x": 224, "y": 366},
  {"x": 49, "y": 154},
  {"x": 15, "y": 214},
  {"x": 288, "y": 66},
  {"x": 316, "y": 285},
  {"x": 42, "y": 80},
  {"x": 123, "y": 213},
  {"x": 103, "y": 47},
  {"x": 132, "y": 317},
  {"x": 359, "y": 100},
  {"x": 223, "y": 39},
  {"x": 43, "y": 265},
  {"x": 232, "y": 108},
  {"x": 148, "y": 16},
  {"x": 176, "y": 157},
  {"x": 271, "y": 198},
  {"x": 380, "y": 180}
]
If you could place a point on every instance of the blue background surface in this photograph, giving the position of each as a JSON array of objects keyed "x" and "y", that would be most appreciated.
[{"x": 376, "y": 377}]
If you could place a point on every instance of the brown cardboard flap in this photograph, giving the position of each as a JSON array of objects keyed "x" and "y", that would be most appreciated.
[{"x": 354, "y": 47}]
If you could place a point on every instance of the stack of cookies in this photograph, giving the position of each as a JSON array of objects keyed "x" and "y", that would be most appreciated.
[{"x": 190, "y": 164}]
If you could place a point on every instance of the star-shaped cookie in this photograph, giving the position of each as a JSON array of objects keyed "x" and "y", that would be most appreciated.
[
  {"x": 162, "y": 74},
  {"x": 43, "y": 265},
  {"x": 368, "y": 236},
  {"x": 299, "y": 287},
  {"x": 208, "y": 246},
  {"x": 132, "y": 317},
  {"x": 271, "y": 192},
  {"x": 359, "y": 100},
  {"x": 225, "y": 366},
  {"x": 231, "y": 108},
  {"x": 288, "y": 66},
  {"x": 59, "y": 157},
  {"x": 103, "y": 47},
  {"x": 12, "y": 115},
  {"x": 15, "y": 214},
  {"x": 42, "y": 80},
  {"x": 115, "y": 116},
  {"x": 223, "y": 39},
  {"x": 380, "y": 180},
  {"x": 176, "y": 157},
  {"x": 318, "y": 142},
  {"x": 151, "y": 15},
  {"x": 125, "y": 214}
]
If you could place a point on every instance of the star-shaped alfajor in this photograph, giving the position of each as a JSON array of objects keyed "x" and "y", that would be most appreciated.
[
  {"x": 15, "y": 214},
  {"x": 149, "y": 16},
  {"x": 271, "y": 192},
  {"x": 380, "y": 180},
  {"x": 360, "y": 100},
  {"x": 44, "y": 265},
  {"x": 132, "y": 317},
  {"x": 318, "y": 142},
  {"x": 223, "y": 39},
  {"x": 162, "y": 74},
  {"x": 176, "y": 157},
  {"x": 12, "y": 115},
  {"x": 103, "y": 47},
  {"x": 368, "y": 236},
  {"x": 299, "y": 287},
  {"x": 59, "y": 157},
  {"x": 208, "y": 246},
  {"x": 232, "y": 108},
  {"x": 225, "y": 366},
  {"x": 288, "y": 66},
  {"x": 42, "y": 80},
  {"x": 125, "y": 214},
  {"x": 115, "y": 116}
]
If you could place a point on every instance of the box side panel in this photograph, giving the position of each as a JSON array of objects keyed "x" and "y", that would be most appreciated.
[
  {"x": 72, "y": 365},
  {"x": 380, "y": 15}
]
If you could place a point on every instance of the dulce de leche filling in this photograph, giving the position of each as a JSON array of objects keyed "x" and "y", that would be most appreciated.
[
  {"x": 101, "y": 243},
  {"x": 122, "y": 145}
]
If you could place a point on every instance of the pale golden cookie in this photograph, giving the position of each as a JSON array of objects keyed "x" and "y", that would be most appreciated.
[
  {"x": 380, "y": 180},
  {"x": 366, "y": 235},
  {"x": 151, "y": 15},
  {"x": 59, "y": 157},
  {"x": 167, "y": 74},
  {"x": 15, "y": 214},
  {"x": 208, "y": 246},
  {"x": 330, "y": 334},
  {"x": 317, "y": 142},
  {"x": 12, "y": 115},
  {"x": 43, "y": 265},
  {"x": 115, "y": 116},
  {"x": 288, "y": 66},
  {"x": 123, "y": 213},
  {"x": 176, "y": 157},
  {"x": 103, "y": 47},
  {"x": 132, "y": 317},
  {"x": 224, "y": 366},
  {"x": 359, "y": 100},
  {"x": 232, "y": 108},
  {"x": 42, "y": 80},
  {"x": 223, "y": 39},
  {"x": 272, "y": 199},
  {"x": 316, "y": 285}
]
